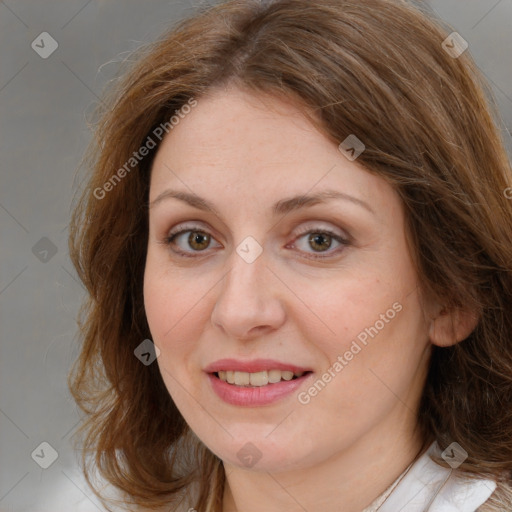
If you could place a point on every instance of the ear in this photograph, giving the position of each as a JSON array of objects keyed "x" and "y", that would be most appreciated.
[{"x": 450, "y": 327}]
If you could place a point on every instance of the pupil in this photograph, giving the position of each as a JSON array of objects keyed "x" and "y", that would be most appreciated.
[
  {"x": 198, "y": 238},
  {"x": 315, "y": 238}
]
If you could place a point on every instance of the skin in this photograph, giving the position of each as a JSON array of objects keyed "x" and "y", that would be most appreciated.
[{"x": 355, "y": 437}]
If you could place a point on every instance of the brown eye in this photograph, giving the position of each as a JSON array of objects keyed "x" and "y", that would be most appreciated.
[
  {"x": 198, "y": 240},
  {"x": 321, "y": 241}
]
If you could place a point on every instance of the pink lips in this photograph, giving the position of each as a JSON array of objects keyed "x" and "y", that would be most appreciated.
[
  {"x": 254, "y": 396},
  {"x": 256, "y": 365}
]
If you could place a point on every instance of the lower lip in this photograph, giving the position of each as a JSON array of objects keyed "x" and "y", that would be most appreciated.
[{"x": 258, "y": 395}]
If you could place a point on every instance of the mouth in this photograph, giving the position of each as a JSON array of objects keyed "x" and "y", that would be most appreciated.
[
  {"x": 255, "y": 383},
  {"x": 257, "y": 379}
]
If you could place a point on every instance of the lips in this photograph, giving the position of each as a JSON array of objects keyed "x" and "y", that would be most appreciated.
[
  {"x": 255, "y": 383},
  {"x": 253, "y": 366}
]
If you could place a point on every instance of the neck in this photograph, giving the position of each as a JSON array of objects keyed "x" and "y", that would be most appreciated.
[{"x": 349, "y": 480}]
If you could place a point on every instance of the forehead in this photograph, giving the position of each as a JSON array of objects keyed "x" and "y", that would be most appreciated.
[{"x": 255, "y": 147}]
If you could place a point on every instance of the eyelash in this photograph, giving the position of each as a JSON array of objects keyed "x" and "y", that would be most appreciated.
[{"x": 169, "y": 240}]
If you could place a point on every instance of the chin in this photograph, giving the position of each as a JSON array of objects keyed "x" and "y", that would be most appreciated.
[{"x": 257, "y": 451}]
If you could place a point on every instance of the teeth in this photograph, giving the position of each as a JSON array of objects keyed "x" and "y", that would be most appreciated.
[
  {"x": 257, "y": 379},
  {"x": 274, "y": 376},
  {"x": 241, "y": 378}
]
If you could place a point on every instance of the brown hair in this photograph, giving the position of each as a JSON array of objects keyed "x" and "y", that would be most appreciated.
[{"x": 373, "y": 68}]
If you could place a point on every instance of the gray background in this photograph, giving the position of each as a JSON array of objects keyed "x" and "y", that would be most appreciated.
[{"x": 43, "y": 109}]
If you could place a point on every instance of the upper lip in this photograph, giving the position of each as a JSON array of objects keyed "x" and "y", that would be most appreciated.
[{"x": 252, "y": 366}]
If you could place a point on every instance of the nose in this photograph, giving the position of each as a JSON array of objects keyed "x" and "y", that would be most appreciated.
[{"x": 248, "y": 304}]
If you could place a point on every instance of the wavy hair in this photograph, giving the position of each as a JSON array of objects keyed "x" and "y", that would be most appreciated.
[{"x": 429, "y": 121}]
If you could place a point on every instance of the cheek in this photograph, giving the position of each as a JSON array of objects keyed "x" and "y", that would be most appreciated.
[
  {"x": 376, "y": 361},
  {"x": 372, "y": 334},
  {"x": 171, "y": 297},
  {"x": 172, "y": 306},
  {"x": 171, "y": 311},
  {"x": 352, "y": 308}
]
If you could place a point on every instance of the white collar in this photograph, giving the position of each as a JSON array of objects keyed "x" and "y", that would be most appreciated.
[{"x": 429, "y": 487}]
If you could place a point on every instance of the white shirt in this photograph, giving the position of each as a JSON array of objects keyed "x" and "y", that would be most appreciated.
[{"x": 429, "y": 487}]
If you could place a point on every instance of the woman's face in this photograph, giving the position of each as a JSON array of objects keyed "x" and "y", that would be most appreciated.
[{"x": 267, "y": 286}]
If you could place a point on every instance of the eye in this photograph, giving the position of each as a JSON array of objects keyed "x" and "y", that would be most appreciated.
[
  {"x": 197, "y": 239},
  {"x": 321, "y": 240}
]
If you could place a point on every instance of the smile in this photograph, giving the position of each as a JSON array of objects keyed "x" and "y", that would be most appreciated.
[
  {"x": 255, "y": 383},
  {"x": 257, "y": 379}
]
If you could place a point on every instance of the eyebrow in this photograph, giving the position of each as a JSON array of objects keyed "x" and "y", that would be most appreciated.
[{"x": 281, "y": 207}]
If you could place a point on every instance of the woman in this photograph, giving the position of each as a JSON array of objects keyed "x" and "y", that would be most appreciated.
[{"x": 297, "y": 243}]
